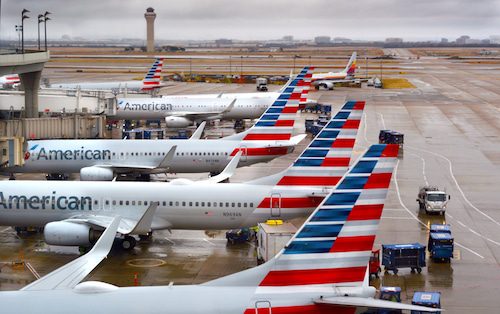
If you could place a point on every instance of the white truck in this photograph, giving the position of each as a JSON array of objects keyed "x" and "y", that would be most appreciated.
[
  {"x": 261, "y": 83},
  {"x": 432, "y": 200},
  {"x": 271, "y": 238}
]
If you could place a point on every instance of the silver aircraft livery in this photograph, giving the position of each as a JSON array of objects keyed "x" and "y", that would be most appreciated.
[{"x": 100, "y": 159}]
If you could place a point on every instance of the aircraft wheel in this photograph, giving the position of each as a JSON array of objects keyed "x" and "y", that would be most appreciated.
[{"x": 128, "y": 243}]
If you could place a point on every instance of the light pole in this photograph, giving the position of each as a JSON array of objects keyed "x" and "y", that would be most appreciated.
[
  {"x": 40, "y": 20},
  {"x": 45, "y": 19},
  {"x": 23, "y": 17},
  {"x": 18, "y": 31}
]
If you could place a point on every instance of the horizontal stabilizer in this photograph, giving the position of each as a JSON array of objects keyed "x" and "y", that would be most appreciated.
[
  {"x": 374, "y": 304},
  {"x": 69, "y": 275}
]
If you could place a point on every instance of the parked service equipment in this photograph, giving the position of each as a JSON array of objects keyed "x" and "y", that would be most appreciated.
[
  {"x": 374, "y": 263},
  {"x": 261, "y": 83},
  {"x": 272, "y": 237},
  {"x": 427, "y": 299},
  {"x": 391, "y": 137},
  {"x": 411, "y": 255},
  {"x": 240, "y": 235},
  {"x": 440, "y": 244},
  {"x": 432, "y": 200},
  {"x": 392, "y": 294}
]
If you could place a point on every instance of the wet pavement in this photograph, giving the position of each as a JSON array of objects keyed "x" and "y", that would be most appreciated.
[{"x": 451, "y": 123}]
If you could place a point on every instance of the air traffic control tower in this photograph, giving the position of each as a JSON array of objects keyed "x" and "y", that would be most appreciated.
[{"x": 150, "y": 16}]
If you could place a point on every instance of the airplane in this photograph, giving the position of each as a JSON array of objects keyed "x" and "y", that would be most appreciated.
[
  {"x": 73, "y": 213},
  {"x": 180, "y": 111},
  {"x": 327, "y": 80},
  {"x": 151, "y": 80},
  {"x": 322, "y": 269},
  {"x": 10, "y": 81},
  {"x": 103, "y": 159}
]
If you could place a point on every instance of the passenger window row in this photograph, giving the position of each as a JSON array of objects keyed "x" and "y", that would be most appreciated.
[{"x": 180, "y": 203}]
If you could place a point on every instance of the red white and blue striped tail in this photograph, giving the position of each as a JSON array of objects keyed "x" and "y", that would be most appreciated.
[
  {"x": 333, "y": 246},
  {"x": 152, "y": 79},
  {"x": 276, "y": 123},
  {"x": 325, "y": 161}
]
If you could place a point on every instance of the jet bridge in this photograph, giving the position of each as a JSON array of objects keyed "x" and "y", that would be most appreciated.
[{"x": 11, "y": 149}]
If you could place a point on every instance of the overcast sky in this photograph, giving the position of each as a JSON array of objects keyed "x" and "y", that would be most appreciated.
[{"x": 259, "y": 19}]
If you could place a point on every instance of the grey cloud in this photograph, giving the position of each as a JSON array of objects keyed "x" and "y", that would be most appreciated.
[{"x": 260, "y": 19}]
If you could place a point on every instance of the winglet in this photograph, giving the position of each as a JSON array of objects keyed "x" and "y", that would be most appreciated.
[
  {"x": 165, "y": 163},
  {"x": 69, "y": 275},
  {"x": 231, "y": 106},
  {"x": 143, "y": 226},
  {"x": 227, "y": 172},
  {"x": 199, "y": 131}
]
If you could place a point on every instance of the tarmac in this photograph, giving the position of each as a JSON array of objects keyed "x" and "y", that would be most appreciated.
[{"x": 451, "y": 123}]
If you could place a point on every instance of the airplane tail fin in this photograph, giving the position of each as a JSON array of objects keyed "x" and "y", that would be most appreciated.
[
  {"x": 327, "y": 157},
  {"x": 152, "y": 79},
  {"x": 277, "y": 122},
  {"x": 334, "y": 244},
  {"x": 350, "y": 69}
]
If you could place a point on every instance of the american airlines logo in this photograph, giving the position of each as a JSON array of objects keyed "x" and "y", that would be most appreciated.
[
  {"x": 144, "y": 107},
  {"x": 52, "y": 201},
  {"x": 69, "y": 154}
]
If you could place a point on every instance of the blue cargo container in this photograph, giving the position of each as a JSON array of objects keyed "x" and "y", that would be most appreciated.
[
  {"x": 440, "y": 246},
  {"x": 440, "y": 228},
  {"x": 411, "y": 255},
  {"x": 427, "y": 299}
]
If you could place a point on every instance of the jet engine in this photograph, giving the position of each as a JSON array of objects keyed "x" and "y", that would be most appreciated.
[
  {"x": 325, "y": 85},
  {"x": 178, "y": 122},
  {"x": 96, "y": 174},
  {"x": 69, "y": 234}
]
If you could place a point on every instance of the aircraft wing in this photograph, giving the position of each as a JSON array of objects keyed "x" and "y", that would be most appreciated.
[
  {"x": 226, "y": 173},
  {"x": 373, "y": 303},
  {"x": 69, "y": 275},
  {"x": 164, "y": 164},
  {"x": 126, "y": 226}
]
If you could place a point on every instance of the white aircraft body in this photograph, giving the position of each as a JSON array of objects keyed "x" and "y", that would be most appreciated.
[
  {"x": 269, "y": 138},
  {"x": 151, "y": 80},
  {"x": 322, "y": 269},
  {"x": 183, "y": 110},
  {"x": 10, "y": 81},
  {"x": 327, "y": 80},
  {"x": 73, "y": 212}
]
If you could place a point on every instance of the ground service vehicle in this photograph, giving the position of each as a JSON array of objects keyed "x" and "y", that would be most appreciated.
[
  {"x": 411, "y": 255},
  {"x": 239, "y": 235},
  {"x": 272, "y": 238},
  {"x": 432, "y": 200},
  {"x": 261, "y": 83},
  {"x": 375, "y": 263},
  {"x": 392, "y": 294},
  {"x": 440, "y": 244},
  {"x": 427, "y": 299}
]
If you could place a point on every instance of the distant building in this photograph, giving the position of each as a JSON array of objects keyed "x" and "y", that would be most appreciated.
[
  {"x": 393, "y": 40},
  {"x": 462, "y": 40},
  {"x": 321, "y": 40},
  {"x": 472, "y": 41},
  {"x": 223, "y": 42},
  {"x": 495, "y": 39},
  {"x": 444, "y": 40},
  {"x": 288, "y": 38},
  {"x": 342, "y": 40}
]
